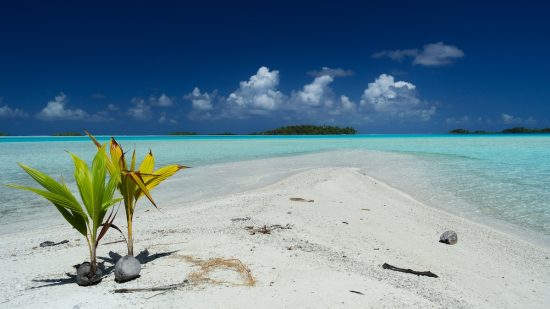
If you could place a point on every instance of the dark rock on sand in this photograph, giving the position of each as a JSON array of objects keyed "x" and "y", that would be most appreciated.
[
  {"x": 448, "y": 237},
  {"x": 82, "y": 275},
  {"x": 127, "y": 268}
]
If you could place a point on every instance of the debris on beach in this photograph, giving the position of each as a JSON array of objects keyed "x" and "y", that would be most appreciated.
[
  {"x": 127, "y": 268},
  {"x": 299, "y": 199},
  {"x": 266, "y": 229},
  {"x": 49, "y": 243},
  {"x": 155, "y": 289},
  {"x": 240, "y": 219},
  {"x": 409, "y": 271},
  {"x": 208, "y": 267},
  {"x": 357, "y": 292},
  {"x": 448, "y": 237}
]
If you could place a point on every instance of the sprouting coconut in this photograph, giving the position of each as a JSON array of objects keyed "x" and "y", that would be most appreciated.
[{"x": 96, "y": 194}]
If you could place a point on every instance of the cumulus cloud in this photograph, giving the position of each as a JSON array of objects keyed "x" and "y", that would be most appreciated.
[
  {"x": 56, "y": 110},
  {"x": 257, "y": 95},
  {"x": 346, "y": 104},
  {"x": 140, "y": 110},
  {"x": 8, "y": 112},
  {"x": 434, "y": 54},
  {"x": 338, "y": 72},
  {"x": 112, "y": 108},
  {"x": 162, "y": 100},
  {"x": 317, "y": 92},
  {"x": 395, "y": 98},
  {"x": 512, "y": 120},
  {"x": 315, "y": 101},
  {"x": 201, "y": 101},
  {"x": 344, "y": 107}
]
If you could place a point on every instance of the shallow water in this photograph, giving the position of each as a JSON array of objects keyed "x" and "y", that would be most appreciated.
[{"x": 499, "y": 176}]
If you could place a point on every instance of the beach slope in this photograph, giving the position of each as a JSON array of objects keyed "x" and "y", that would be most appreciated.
[{"x": 325, "y": 251}]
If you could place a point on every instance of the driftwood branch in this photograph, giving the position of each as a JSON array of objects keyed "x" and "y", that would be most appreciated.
[
  {"x": 409, "y": 271},
  {"x": 49, "y": 243},
  {"x": 155, "y": 289},
  {"x": 299, "y": 199},
  {"x": 266, "y": 229}
]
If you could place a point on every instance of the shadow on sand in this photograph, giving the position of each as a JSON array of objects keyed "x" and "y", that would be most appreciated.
[{"x": 143, "y": 257}]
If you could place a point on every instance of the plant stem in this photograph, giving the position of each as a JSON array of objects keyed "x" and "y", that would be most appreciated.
[
  {"x": 130, "y": 238},
  {"x": 93, "y": 262},
  {"x": 91, "y": 248}
]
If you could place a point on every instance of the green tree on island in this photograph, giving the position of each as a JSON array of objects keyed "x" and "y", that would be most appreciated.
[{"x": 309, "y": 130}]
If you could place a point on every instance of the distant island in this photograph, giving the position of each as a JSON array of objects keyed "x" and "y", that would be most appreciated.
[
  {"x": 308, "y": 130},
  {"x": 515, "y": 130},
  {"x": 183, "y": 133},
  {"x": 68, "y": 134},
  {"x": 3, "y": 134}
]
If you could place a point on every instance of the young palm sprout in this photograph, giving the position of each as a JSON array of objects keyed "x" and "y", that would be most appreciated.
[
  {"x": 132, "y": 183},
  {"x": 96, "y": 194}
]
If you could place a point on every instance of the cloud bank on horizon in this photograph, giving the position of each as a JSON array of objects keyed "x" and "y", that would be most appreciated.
[{"x": 260, "y": 96}]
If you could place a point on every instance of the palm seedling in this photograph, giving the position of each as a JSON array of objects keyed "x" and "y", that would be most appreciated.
[
  {"x": 134, "y": 183},
  {"x": 88, "y": 217}
]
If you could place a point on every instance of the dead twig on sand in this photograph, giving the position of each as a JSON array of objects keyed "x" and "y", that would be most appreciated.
[
  {"x": 299, "y": 199},
  {"x": 51, "y": 243},
  {"x": 409, "y": 271},
  {"x": 155, "y": 289},
  {"x": 266, "y": 229}
]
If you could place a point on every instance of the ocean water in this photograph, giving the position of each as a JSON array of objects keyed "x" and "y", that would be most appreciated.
[{"x": 500, "y": 177}]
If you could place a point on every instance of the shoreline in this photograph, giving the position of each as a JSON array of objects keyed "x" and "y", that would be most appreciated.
[
  {"x": 333, "y": 246},
  {"x": 208, "y": 183}
]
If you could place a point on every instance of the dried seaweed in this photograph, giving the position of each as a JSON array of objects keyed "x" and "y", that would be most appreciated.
[{"x": 201, "y": 276}]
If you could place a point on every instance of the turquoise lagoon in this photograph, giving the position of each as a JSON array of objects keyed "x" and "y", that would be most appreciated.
[{"x": 505, "y": 178}]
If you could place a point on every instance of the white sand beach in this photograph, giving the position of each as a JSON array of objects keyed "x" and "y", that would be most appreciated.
[{"x": 326, "y": 249}]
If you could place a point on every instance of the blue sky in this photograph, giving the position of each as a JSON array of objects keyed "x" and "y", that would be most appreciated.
[{"x": 152, "y": 67}]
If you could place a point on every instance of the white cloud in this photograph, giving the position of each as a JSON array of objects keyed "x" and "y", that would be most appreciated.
[
  {"x": 162, "y": 100},
  {"x": 140, "y": 110},
  {"x": 438, "y": 54},
  {"x": 316, "y": 101},
  {"x": 434, "y": 54},
  {"x": 112, "y": 107},
  {"x": 201, "y": 101},
  {"x": 56, "y": 110},
  {"x": 395, "y": 98},
  {"x": 258, "y": 95},
  {"x": 315, "y": 93},
  {"x": 512, "y": 120},
  {"x": 8, "y": 112},
  {"x": 346, "y": 104},
  {"x": 397, "y": 55},
  {"x": 338, "y": 72}
]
